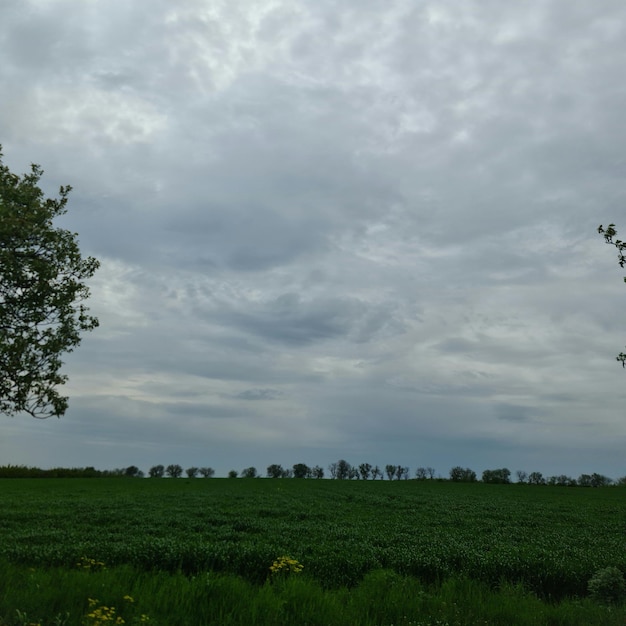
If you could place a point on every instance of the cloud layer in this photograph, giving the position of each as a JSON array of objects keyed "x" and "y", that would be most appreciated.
[{"x": 361, "y": 231}]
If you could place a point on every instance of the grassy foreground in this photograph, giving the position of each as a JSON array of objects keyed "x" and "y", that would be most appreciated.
[
  {"x": 58, "y": 596},
  {"x": 194, "y": 552}
]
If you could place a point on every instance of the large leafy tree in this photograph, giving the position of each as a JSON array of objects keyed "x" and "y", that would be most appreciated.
[
  {"x": 42, "y": 290},
  {"x": 610, "y": 237}
]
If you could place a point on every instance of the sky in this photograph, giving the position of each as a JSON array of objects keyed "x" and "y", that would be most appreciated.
[{"x": 361, "y": 230}]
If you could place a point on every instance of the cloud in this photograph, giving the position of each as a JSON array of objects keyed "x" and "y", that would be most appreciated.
[{"x": 365, "y": 229}]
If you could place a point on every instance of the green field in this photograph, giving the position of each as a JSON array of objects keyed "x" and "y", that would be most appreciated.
[{"x": 547, "y": 540}]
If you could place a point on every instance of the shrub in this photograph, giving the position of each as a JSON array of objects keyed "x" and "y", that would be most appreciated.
[{"x": 607, "y": 586}]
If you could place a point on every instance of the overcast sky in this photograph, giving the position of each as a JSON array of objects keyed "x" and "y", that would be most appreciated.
[{"x": 359, "y": 229}]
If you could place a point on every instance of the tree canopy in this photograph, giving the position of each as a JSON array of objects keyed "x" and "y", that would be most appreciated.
[
  {"x": 610, "y": 237},
  {"x": 42, "y": 289}
]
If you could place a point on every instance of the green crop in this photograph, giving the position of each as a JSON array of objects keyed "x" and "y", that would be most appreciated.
[{"x": 550, "y": 539}]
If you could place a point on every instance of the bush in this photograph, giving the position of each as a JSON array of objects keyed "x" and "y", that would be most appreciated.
[{"x": 607, "y": 586}]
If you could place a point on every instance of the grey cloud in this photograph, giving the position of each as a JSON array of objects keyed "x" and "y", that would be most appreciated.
[
  {"x": 515, "y": 413},
  {"x": 258, "y": 394},
  {"x": 370, "y": 227}
]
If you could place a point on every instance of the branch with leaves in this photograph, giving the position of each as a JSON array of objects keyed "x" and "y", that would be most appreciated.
[
  {"x": 42, "y": 290},
  {"x": 610, "y": 237}
]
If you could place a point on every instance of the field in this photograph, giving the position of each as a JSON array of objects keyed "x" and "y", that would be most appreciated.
[{"x": 541, "y": 543}]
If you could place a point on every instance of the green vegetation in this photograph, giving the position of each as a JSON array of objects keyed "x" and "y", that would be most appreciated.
[
  {"x": 366, "y": 552},
  {"x": 610, "y": 235},
  {"x": 42, "y": 288}
]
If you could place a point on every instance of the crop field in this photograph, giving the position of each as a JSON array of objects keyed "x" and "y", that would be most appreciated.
[{"x": 551, "y": 539}]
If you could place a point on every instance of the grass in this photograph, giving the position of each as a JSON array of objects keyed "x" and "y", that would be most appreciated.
[
  {"x": 49, "y": 596},
  {"x": 199, "y": 551}
]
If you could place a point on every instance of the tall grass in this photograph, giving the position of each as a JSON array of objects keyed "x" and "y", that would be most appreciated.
[{"x": 60, "y": 596}]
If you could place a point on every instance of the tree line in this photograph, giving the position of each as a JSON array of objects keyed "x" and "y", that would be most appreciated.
[{"x": 340, "y": 470}]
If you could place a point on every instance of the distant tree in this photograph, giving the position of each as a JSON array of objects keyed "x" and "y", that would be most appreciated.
[
  {"x": 390, "y": 470},
  {"x": 207, "y": 472},
  {"x": 275, "y": 471},
  {"x": 249, "y": 472},
  {"x": 332, "y": 468},
  {"x": 431, "y": 472},
  {"x": 233, "y": 474},
  {"x": 42, "y": 286},
  {"x": 584, "y": 480},
  {"x": 317, "y": 472},
  {"x": 497, "y": 476},
  {"x": 377, "y": 472},
  {"x": 536, "y": 478},
  {"x": 132, "y": 471},
  {"x": 458, "y": 474},
  {"x": 420, "y": 473},
  {"x": 301, "y": 470},
  {"x": 353, "y": 473},
  {"x": 402, "y": 472},
  {"x": 156, "y": 471},
  {"x": 364, "y": 470},
  {"x": 609, "y": 234},
  {"x": 192, "y": 472},
  {"x": 621, "y": 482},
  {"x": 522, "y": 476},
  {"x": 343, "y": 469},
  {"x": 174, "y": 471},
  {"x": 598, "y": 480},
  {"x": 287, "y": 473},
  {"x": 561, "y": 481}
]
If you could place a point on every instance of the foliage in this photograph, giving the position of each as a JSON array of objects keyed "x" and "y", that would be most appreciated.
[
  {"x": 608, "y": 586},
  {"x": 249, "y": 472},
  {"x": 301, "y": 470},
  {"x": 497, "y": 476},
  {"x": 42, "y": 289},
  {"x": 460, "y": 475},
  {"x": 609, "y": 237},
  {"x": 156, "y": 471},
  {"x": 60, "y": 598},
  {"x": 174, "y": 470},
  {"x": 275, "y": 471}
]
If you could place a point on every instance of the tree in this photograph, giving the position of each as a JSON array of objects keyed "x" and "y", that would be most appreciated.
[
  {"x": 317, "y": 472},
  {"x": 599, "y": 480},
  {"x": 536, "y": 478},
  {"x": 522, "y": 476},
  {"x": 343, "y": 469},
  {"x": 233, "y": 474},
  {"x": 301, "y": 470},
  {"x": 431, "y": 472},
  {"x": 207, "y": 472},
  {"x": 332, "y": 468},
  {"x": 132, "y": 471},
  {"x": 364, "y": 470},
  {"x": 156, "y": 471},
  {"x": 609, "y": 234},
  {"x": 275, "y": 471},
  {"x": 249, "y": 472},
  {"x": 390, "y": 470},
  {"x": 42, "y": 288},
  {"x": 458, "y": 474},
  {"x": 376, "y": 472},
  {"x": 174, "y": 471},
  {"x": 497, "y": 476},
  {"x": 402, "y": 472},
  {"x": 192, "y": 472},
  {"x": 420, "y": 473}
]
